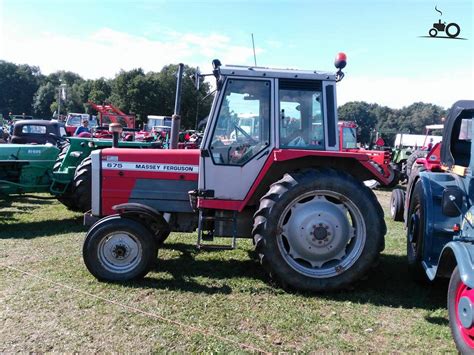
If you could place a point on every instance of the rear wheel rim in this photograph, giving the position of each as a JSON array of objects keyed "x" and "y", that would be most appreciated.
[
  {"x": 467, "y": 334},
  {"x": 321, "y": 234},
  {"x": 413, "y": 232},
  {"x": 120, "y": 252}
]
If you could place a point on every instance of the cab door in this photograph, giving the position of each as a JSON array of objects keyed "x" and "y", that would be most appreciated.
[{"x": 239, "y": 138}]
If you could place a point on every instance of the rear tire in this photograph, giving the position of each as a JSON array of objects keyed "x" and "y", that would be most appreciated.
[
  {"x": 415, "y": 233},
  {"x": 397, "y": 205},
  {"x": 463, "y": 337},
  {"x": 119, "y": 249},
  {"x": 82, "y": 186},
  {"x": 396, "y": 176},
  {"x": 318, "y": 230},
  {"x": 457, "y": 30}
]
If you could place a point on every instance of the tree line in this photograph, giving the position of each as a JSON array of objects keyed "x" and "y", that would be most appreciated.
[
  {"x": 24, "y": 89},
  {"x": 387, "y": 122}
]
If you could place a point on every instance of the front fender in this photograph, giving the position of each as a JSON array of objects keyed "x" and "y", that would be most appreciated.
[
  {"x": 460, "y": 254},
  {"x": 139, "y": 211}
]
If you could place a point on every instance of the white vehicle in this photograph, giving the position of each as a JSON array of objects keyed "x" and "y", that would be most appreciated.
[{"x": 160, "y": 122}]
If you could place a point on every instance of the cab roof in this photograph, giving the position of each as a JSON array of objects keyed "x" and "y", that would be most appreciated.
[{"x": 239, "y": 70}]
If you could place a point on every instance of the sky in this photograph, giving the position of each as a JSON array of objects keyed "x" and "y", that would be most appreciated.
[{"x": 391, "y": 59}]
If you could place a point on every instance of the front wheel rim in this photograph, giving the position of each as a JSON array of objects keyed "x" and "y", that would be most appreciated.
[
  {"x": 321, "y": 234},
  {"x": 393, "y": 209},
  {"x": 120, "y": 252},
  {"x": 467, "y": 334}
]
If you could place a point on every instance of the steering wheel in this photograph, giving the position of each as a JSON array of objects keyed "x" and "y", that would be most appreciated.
[
  {"x": 237, "y": 154},
  {"x": 245, "y": 134}
]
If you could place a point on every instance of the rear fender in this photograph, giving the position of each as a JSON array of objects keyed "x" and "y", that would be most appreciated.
[
  {"x": 460, "y": 254},
  {"x": 438, "y": 228},
  {"x": 151, "y": 218}
]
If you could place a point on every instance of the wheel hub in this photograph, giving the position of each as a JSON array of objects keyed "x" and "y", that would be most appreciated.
[
  {"x": 318, "y": 231},
  {"x": 465, "y": 312},
  {"x": 119, "y": 252}
]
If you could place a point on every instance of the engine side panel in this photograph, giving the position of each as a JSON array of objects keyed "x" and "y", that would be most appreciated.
[{"x": 157, "y": 178}]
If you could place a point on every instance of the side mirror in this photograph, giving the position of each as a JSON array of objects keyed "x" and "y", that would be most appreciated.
[
  {"x": 451, "y": 203},
  {"x": 216, "y": 64}
]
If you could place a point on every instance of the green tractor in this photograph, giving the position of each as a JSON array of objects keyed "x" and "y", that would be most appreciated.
[
  {"x": 26, "y": 168},
  {"x": 63, "y": 170},
  {"x": 409, "y": 147},
  {"x": 71, "y": 170}
]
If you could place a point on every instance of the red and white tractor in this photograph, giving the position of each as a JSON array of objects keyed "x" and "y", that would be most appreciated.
[{"x": 280, "y": 179}]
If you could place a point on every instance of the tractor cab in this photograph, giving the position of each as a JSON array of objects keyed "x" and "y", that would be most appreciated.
[{"x": 260, "y": 110}]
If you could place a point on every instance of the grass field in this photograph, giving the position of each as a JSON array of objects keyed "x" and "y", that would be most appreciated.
[{"x": 198, "y": 301}]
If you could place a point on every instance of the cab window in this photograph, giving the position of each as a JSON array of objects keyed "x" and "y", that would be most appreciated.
[
  {"x": 243, "y": 125},
  {"x": 461, "y": 145},
  {"x": 301, "y": 115}
]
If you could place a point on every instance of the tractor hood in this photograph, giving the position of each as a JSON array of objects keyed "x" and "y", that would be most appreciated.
[
  {"x": 157, "y": 178},
  {"x": 459, "y": 109},
  {"x": 28, "y": 152},
  {"x": 183, "y": 163}
]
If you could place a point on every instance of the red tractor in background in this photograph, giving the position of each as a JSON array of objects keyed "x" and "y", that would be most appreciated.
[
  {"x": 108, "y": 114},
  {"x": 282, "y": 181},
  {"x": 379, "y": 158}
]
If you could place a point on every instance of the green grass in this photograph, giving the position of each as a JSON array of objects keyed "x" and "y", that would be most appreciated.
[{"x": 222, "y": 293}]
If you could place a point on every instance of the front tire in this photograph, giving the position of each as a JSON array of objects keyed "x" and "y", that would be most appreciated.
[
  {"x": 460, "y": 316},
  {"x": 318, "y": 230},
  {"x": 119, "y": 249}
]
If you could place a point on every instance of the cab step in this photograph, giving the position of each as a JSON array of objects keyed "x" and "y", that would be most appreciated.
[{"x": 209, "y": 235}]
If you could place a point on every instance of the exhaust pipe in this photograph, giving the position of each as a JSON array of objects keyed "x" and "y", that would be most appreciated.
[
  {"x": 116, "y": 130},
  {"x": 176, "y": 118}
]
